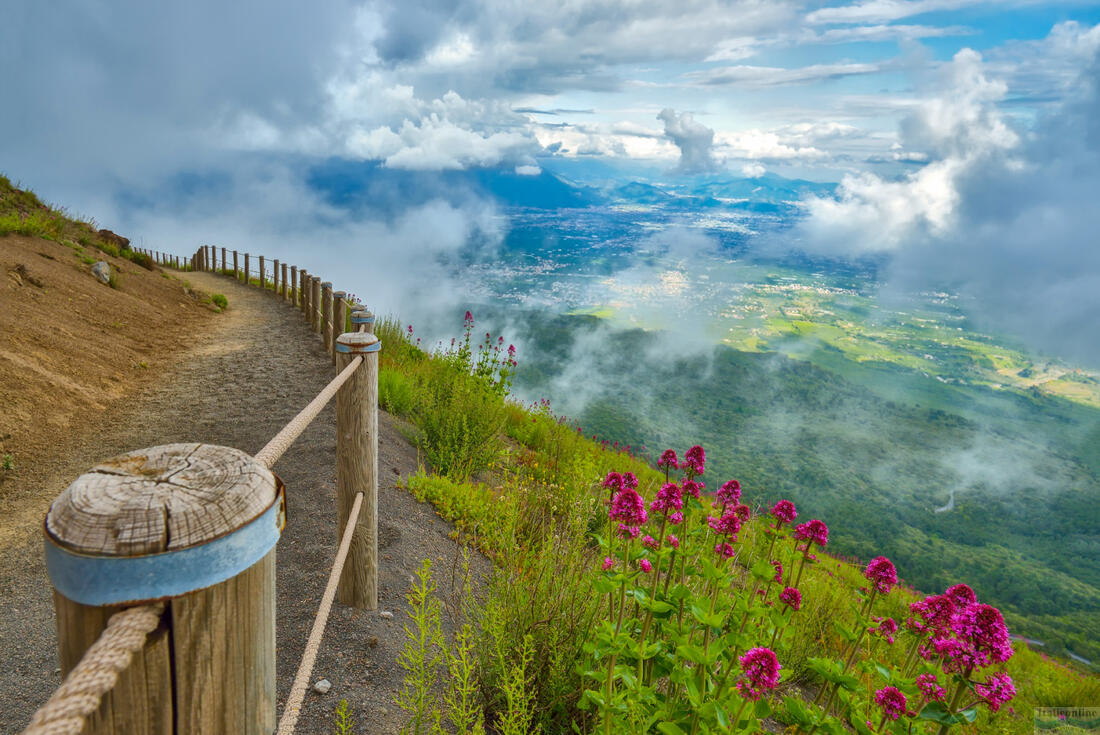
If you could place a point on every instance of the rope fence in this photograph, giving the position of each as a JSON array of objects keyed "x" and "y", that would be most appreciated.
[{"x": 353, "y": 575}]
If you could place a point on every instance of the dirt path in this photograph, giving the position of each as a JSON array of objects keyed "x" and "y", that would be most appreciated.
[{"x": 238, "y": 385}]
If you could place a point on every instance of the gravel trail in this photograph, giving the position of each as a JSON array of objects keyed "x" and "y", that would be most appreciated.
[{"x": 237, "y": 385}]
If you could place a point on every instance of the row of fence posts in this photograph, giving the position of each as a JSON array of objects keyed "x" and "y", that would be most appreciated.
[{"x": 196, "y": 525}]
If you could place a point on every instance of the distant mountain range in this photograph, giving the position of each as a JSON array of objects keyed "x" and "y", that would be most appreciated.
[{"x": 357, "y": 183}]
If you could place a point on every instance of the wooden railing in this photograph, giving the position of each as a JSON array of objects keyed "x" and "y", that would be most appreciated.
[{"x": 163, "y": 562}]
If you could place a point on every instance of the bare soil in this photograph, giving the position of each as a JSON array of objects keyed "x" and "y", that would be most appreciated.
[{"x": 233, "y": 379}]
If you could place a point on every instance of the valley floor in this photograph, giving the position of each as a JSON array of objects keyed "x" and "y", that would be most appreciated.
[{"x": 236, "y": 383}]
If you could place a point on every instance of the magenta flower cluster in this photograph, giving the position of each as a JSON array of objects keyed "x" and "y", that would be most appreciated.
[
  {"x": 880, "y": 571},
  {"x": 930, "y": 688},
  {"x": 996, "y": 690},
  {"x": 784, "y": 512},
  {"x": 892, "y": 702},
  {"x": 628, "y": 508},
  {"x": 669, "y": 497},
  {"x": 694, "y": 460},
  {"x": 729, "y": 493},
  {"x": 791, "y": 597},
  {"x": 815, "y": 531},
  {"x": 761, "y": 672}
]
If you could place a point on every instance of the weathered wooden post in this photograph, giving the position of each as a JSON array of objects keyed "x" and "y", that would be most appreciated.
[
  {"x": 225, "y": 263},
  {"x": 263, "y": 280},
  {"x": 364, "y": 318},
  {"x": 283, "y": 292},
  {"x": 294, "y": 285},
  {"x": 211, "y": 258},
  {"x": 339, "y": 320},
  {"x": 357, "y": 467},
  {"x": 315, "y": 303},
  {"x": 275, "y": 276},
  {"x": 303, "y": 296},
  {"x": 195, "y": 525},
  {"x": 326, "y": 315},
  {"x": 236, "y": 267}
]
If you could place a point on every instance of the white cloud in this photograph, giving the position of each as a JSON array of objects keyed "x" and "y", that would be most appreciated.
[
  {"x": 695, "y": 141},
  {"x": 753, "y": 170},
  {"x": 770, "y": 76},
  {"x": 883, "y": 11},
  {"x": 1006, "y": 218}
]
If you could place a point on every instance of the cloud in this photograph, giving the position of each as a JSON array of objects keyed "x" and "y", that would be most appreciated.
[
  {"x": 770, "y": 76},
  {"x": 883, "y": 11},
  {"x": 753, "y": 170},
  {"x": 695, "y": 141},
  {"x": 1006, "y": 217}
]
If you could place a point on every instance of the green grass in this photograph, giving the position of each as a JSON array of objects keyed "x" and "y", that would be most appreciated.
[{"x": 533, "y": 508}]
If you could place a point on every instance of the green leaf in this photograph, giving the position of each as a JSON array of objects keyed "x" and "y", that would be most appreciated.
[
  {"x": 763, "y": 570},
  {"x": 936, "y": 712},
  {"x": 691, "y": 653},
  {"x": 762, "y": 709},
  {"x": 602, "y": 585},
  {"x": 798, "y": 711},
  {"x": 969, "y": 714},
  {"x": 670, "y": 728},
  {"x": 885, "y": 673},
  {"x": 845, "y": 633}
]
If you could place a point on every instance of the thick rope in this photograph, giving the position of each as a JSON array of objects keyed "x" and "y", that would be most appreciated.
[
  {"x": 274, "y": 449},
  {"x": 96, "y": 673},
  {"x": 293, "y": 706}
]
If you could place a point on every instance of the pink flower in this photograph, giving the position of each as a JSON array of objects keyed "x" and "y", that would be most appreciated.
[
  {"x": 743, "y": 512},
  {"x": 649, "y": 542},
  {"x": 668, "y": 459},
  {"x": 613, "y": 481},
  {"x": 932, "y": 615},
  {"x": 792, "y": 597},
  {"x": 469, "y": 318},
  {"x": 784, "y": 511},
  {"x": 961, "y": 595},
  {"x": 881, "y": 571},
  {"x": 892, "y": 701},
  {"x": 630, "y": 482},
  {"x": 645, "y": 566},
  {"x": 729, "y": 493},
  {"x": 778, "y": 570},
  {"x": 886, "y": 629},
  {"x": 629, "y": 532},
  {"x": 930, "y": 688},
  {"x": 692, "y": 488},
  {"x": 728, "y": 525},
  {"x": 673, "y": 541},
  {"x": 983, "y": 629},
  {"x": 814, "y": 531},
  {"x": 761, "y": 672},
  {"x": 608, "y": 562},
  {"x": 723, "y": 550},
  {"x": 997, "y": 690},
  {"x": 676, "y": 518},
  {"x": 628, "y": 507},
  {"x": 695, "y": 458},
  {"x": 668, "y": 498}
]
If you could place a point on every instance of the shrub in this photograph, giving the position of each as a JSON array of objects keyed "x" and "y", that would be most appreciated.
[
  {"x": 395, "y": 392},
  {"x": 220, "y": 301}
]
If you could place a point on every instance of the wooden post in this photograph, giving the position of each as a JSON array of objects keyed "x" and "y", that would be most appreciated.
[
  {"x": 339, "y": 320},
  {"x": 315, "y": 303},
  {"x": 326, "y": 316},
  {"x": 211, "y": 260},
  {"x": 210, "y": 666},
  {"x": 357, "y": 467},
  {"x": 246, "y": 281},
  {"x": 364, "y": 319},
  {"x": 283, "y": 291},
  {"x": 294, "y": 291},
  {"x": 275, "y": 277},
  {"x": 305, "y": 293},
  {"x": 263, "y": 280}
]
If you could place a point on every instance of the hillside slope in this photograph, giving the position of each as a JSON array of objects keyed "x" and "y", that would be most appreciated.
[{"x": 71, "y": 347}]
